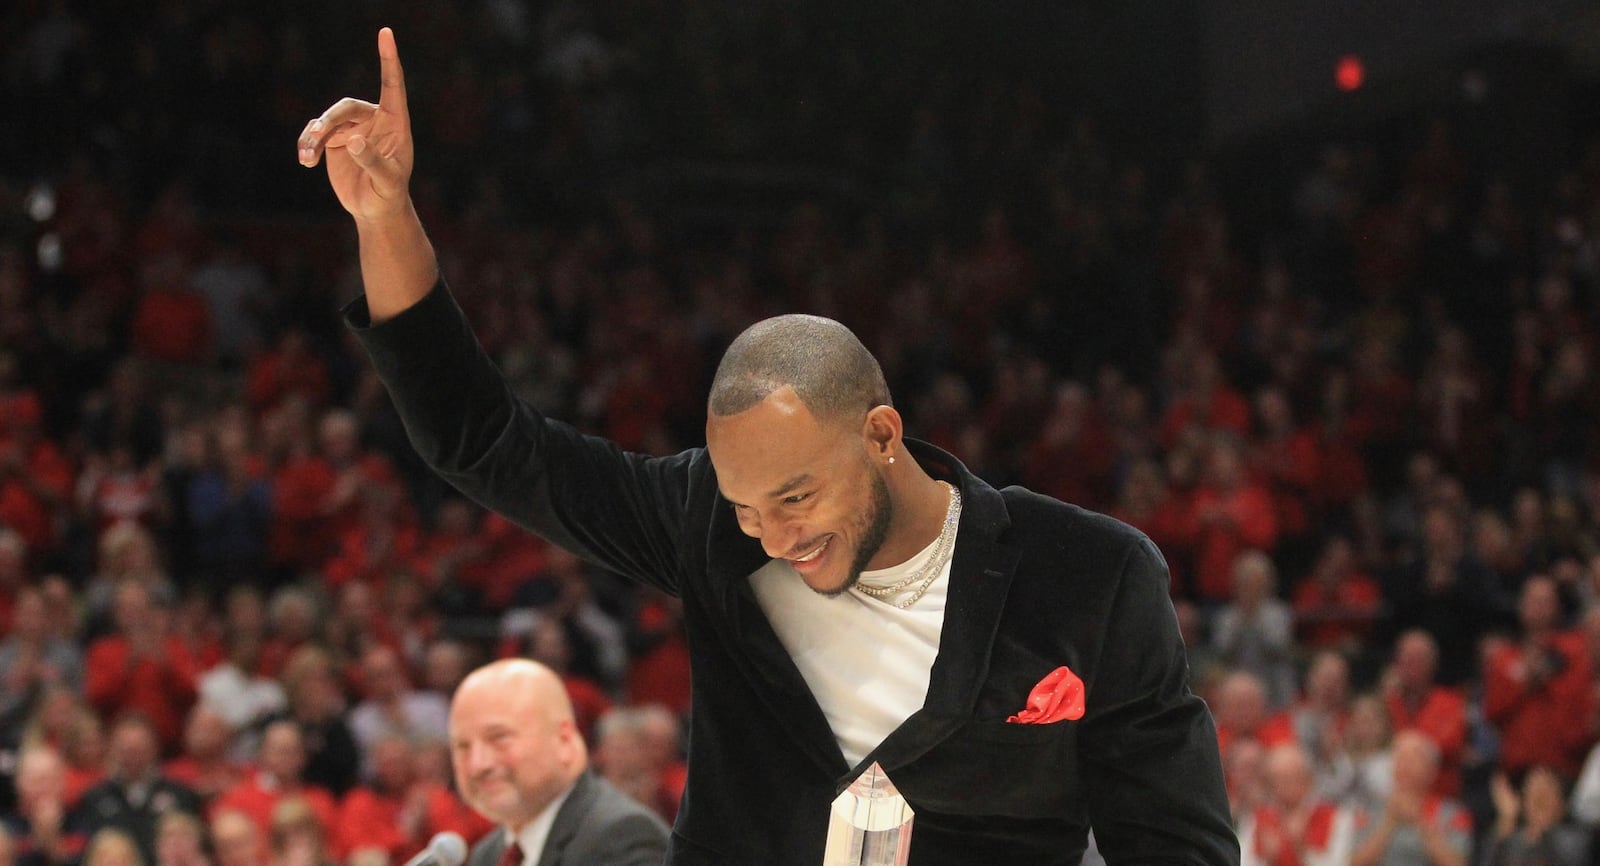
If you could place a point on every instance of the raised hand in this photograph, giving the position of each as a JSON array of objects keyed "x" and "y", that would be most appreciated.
[{"x": 368, "y": 147}]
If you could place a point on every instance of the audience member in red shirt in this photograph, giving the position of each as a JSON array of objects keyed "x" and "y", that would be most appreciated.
[
  {"x": 396, "y": 812},
  {"x": 171, "y": 321},
  {"x": 279, "y": 764},
  {"x": 1536, "y": 693},
  {"x": 1417, "y": 702},
  {"x": 1234, "y": 514},
  {"x": 1295, "y": 827},
  {"x": 1208, "y": 403},
  {"x": 206, "y": 765},
  {"x": 36, "y": 478},
  {"x": 1336, "y": 605},
  {"x": 1287, "y": 459},
  {"x": 1072, "y": 457},
  {"x": 143, "y": 667},
  {"x": 289, "y": 368},
  {"x": 1147, "y": 504},
  {"x": 659, "y": 670},
  {"x": 1241, "y": 713}
]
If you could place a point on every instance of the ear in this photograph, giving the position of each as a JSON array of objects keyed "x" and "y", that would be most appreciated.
[{"x": 882, "y": 432}]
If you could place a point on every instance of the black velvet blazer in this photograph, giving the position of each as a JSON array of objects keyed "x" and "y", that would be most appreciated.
[{"x": 1035, "y": 584}]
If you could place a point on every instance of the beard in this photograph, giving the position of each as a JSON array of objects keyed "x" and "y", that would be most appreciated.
[{"x": 880, "y": 511}]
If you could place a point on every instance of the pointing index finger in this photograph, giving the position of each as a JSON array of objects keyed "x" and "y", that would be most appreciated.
[{"x": 392, "y": 95}]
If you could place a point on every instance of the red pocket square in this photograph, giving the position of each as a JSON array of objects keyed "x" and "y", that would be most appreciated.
[{"x": 1058, "y": 696}]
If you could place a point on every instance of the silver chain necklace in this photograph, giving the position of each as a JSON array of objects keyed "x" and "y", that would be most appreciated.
[{"x": 922, "y": 578}]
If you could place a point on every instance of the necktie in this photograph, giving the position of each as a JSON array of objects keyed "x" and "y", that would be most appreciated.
[{"x": 513, "y": 855}]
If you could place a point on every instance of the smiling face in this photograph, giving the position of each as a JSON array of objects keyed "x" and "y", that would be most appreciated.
[
  {"x": 514, "y": 744},
  {"x": 808, "y": 489}
]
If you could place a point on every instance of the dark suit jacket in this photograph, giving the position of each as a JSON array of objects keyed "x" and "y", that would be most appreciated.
[
  {"x": 597, "y": 826},
  {"x": 1035, "y": 584}
]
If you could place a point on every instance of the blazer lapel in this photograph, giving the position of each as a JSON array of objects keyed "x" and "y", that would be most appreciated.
[
  {"x": 568, "y": 820},
  {"x": 980, "y": 578}
]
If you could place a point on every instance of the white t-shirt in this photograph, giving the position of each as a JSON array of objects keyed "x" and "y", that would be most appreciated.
[{"x": 867, "y": 662}]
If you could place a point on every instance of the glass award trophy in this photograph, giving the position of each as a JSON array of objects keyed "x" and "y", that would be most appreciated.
[{"x": 870, "y": 824}]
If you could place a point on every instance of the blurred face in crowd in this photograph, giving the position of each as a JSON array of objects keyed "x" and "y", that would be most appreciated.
[
  {"x": 208, "y": 734},
  {"x": 1542, "y": 797},
  {"x": 382, "y": 675},
  {"x": 134, "y": 750},
  {"x": 1416, "y": 762},
  {"x": 1288, "y": 775},
  {"x": 1539, "y": 607},
  {"x": 514, "y": 744},
  {"x": 179, "y": 840},
  {"x": 112, "y": 848},
  {"x": 1415, "y": 657},
  {"x": 236, "y": 840},
  {"x": 41, "y": 777},
  {"x": 392, "y": 763},
  {"x": 282, "y": 754},
  {"x": 1328, "y": 681},
  {"x": 1368, "y": 727}
]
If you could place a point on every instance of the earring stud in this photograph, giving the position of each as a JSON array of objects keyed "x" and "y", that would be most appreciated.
[{"x": 891, "y": 459}]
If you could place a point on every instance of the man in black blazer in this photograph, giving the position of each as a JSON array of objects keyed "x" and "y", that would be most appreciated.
[
  {"x": 521, "y": 762},
  {"x": 851, "y": 596}
]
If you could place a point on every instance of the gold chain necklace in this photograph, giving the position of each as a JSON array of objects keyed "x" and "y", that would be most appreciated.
[{"x": 923, "y": 578}]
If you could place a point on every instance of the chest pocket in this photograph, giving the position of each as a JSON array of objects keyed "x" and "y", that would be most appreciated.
[{"x": 998, "y": 768}]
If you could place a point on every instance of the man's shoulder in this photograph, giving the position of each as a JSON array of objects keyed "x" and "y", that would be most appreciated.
[
  {"x": 1035, "y": 513},
  {"x": 615, "y": 819}
]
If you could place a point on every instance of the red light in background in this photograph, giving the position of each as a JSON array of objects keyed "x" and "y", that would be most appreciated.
[{"x": 1349, "y": 73}]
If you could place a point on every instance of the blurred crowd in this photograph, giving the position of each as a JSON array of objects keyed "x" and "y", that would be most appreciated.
[{"x": 234, "y": 605}]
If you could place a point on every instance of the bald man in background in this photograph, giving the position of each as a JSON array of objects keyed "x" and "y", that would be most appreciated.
[{"x": 521, "y": 762}]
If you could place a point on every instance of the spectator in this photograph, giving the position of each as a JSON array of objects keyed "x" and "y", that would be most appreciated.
[
  {"x": 1254, "y": 631},
  {"x": 142, "y": 668},
  {"x": 1446, "y": 593},
  {"x": 1415, "y": 827},
  {"x": 43, "y": 830},
  {"x": 1317, "y": 719},
  {"x": 35, "y": 477},
  {"x": 396, "y": 812},
  {"x": 1417, "y": 702},
  {"x": 237, "y": 689},
  {"x": 207, "y": 765},
  {"x": 299, "y": 835},
  {"x": 392, "y": 705},
  {"x": 1536, "y": 692},
  {"x": 1361, "y": 775},
  {"x": 112, "y": 846},
  {"x": 236, "y": 839},
  {"x": 1241, "y": 712},
  {"x": 1295, "y": 826},
  {"x": 1336, "y": 605},
  {"x": 1532, "y": 829},
  {"x": 31, "y": 659},
  {"x": 180, "y": 840},
  {"x": 317, "y": 707},
  {"x": 278, "y": 778},
  {"x": 1234, "y": 514},
  {"x": 135, "y": 793}
]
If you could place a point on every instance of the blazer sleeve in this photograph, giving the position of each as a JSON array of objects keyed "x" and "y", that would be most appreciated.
[
  {"x": 1149, "y": 746},
  {"x": 619, "y": 510}
]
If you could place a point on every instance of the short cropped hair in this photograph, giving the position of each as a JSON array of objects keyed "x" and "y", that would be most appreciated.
[{"x": 830, "y": 370}]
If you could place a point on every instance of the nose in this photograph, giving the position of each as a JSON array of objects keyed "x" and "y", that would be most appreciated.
[
  {"x": 778, "y": 534},
  {"x": 477, "y": 757}
]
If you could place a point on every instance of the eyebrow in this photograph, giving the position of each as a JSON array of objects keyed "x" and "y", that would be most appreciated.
[
  {"x": 791, "y": 485},
  {"x": 783, "y": 489}
]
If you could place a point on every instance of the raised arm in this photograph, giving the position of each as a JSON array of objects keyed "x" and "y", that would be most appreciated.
[{"x": 369, "y": 153}]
